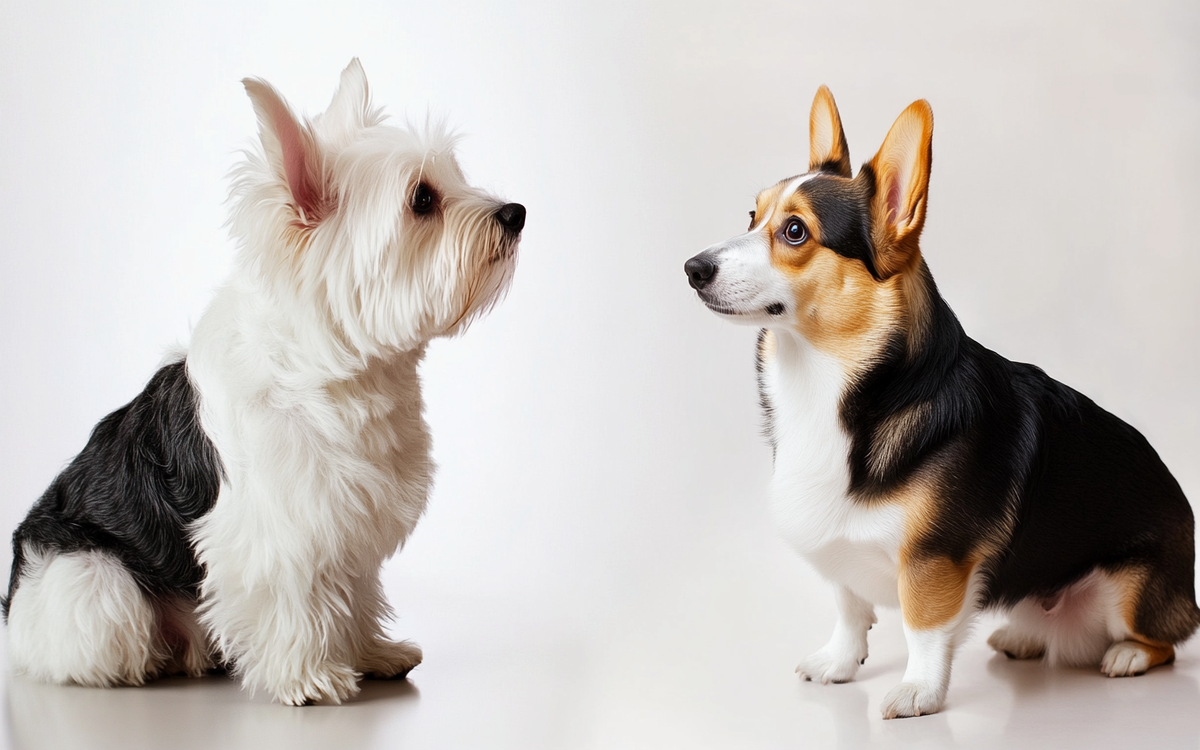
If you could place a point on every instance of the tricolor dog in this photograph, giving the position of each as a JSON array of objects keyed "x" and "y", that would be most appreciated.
[
  {"x": 238, "y": 510},
  {"x": 916, "y": 468}
]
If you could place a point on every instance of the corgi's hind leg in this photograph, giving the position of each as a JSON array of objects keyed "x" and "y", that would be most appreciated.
[
  {"x": 1024, "y": 636},
  {"x": 81, "y": 617},
  {"x": 1150, "y": 613},
  {"x": 1129, "y": 657}
]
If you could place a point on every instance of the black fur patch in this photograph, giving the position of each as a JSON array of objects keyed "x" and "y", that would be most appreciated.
[
  {"x": 839, "y": 167},
  {"x": 147, "y": 471},
  {"x": 843, "y": 210},
  {"x": 1023, "y": 462}
]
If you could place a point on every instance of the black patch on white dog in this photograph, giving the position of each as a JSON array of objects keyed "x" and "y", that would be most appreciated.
[{"x": 147, "y": 471}]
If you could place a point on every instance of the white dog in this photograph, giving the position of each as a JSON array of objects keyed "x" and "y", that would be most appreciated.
[{"x": 238, "y": 510}]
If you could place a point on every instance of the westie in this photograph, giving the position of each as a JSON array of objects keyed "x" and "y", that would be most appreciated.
[{"x": 238, "y": 510}]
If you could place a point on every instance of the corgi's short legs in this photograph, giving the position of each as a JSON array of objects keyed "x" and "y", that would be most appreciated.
[
  {"x": 1129, "y": 658},
  {"x": 839, "y": 659},
  {"x": 1023, "y": 637}
]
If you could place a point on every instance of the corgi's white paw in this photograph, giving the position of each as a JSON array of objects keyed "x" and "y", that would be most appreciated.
[
  {"x": 912, "y": 699},
  {"x": 832, "y": 664},
  {"x": 1126, "y": 659}
]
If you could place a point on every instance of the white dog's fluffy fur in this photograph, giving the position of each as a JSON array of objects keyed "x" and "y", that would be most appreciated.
[{"x": 359, "y": 242}]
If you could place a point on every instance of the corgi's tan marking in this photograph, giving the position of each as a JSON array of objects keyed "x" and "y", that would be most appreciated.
[
  {"x": 840, "y": 308},
  {"x": 932, "y": 589}
]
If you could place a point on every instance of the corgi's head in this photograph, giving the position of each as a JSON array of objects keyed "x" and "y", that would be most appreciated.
[{"x": 830, "y": 255}]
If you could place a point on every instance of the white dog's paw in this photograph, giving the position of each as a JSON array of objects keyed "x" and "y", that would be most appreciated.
[
  {"x": 1014, "y": 645},
  {"x": 331, "y": 682},
  {"x": 388, "y": 660},
  {"x": 1126, "y": 659},
  {"x": 831, "y": 665},
  {"x": 911, "y": 699}
]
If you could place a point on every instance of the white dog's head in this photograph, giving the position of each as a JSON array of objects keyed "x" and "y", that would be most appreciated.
[{"x": 371, "y": 227}]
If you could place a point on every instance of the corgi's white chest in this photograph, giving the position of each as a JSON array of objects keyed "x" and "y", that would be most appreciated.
[{"x": 846, "y": 541}]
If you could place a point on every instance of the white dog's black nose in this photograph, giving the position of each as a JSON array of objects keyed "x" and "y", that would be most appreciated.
[
  {"x": 700, "y": 271},
  {"x": 511, "y": 216}
]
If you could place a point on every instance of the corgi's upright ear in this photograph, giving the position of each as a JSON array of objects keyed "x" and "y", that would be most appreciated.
[
  {"x": 291, "y": 149},
  {"x": 901, "y": 170},
  {"x": 827, "y": 149}
]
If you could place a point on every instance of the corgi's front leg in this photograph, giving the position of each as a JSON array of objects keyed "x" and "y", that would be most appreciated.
[
  {"x": 839, "y": 660},
  {"x": 937, "y": 603}
]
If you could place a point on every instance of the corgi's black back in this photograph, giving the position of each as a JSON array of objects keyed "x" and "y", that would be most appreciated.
[{"x": 1027, "y": 463}]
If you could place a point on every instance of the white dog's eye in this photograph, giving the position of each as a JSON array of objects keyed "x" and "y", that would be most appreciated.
[
  {"x": 795, "y": 232},
  {"x": 424, "y": 200},
  {"x": 753, "y": 216}
]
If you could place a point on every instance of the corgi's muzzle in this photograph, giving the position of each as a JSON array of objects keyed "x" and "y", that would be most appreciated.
[{"x": 746, "y": 289}]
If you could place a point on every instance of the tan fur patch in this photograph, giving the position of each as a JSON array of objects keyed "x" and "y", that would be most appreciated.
[
  {"x": 891, "y": 436},
  {"x": 841, "y": 309},
  {"x": 1159, "y": 653},
  {"x": 933, "y": 589},
  {"x": 764, "y": 204},
  {"x": 1131, "y": 581}
]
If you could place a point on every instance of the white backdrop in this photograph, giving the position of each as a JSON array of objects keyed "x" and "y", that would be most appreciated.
[{"x": 598, "y": 435}]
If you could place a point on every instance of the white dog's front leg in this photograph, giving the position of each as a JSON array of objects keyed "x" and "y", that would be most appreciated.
[
  {"x": 839, "y": 659},
  {"x": 277, "y": 613},
  {"x": 290, "y": 637},
  {"x": 379, "y": 657}
]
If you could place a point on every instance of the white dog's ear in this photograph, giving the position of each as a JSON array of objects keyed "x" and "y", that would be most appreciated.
[
  {"x": 351, "y": 105},
  {"x": 291, "y": 148}
]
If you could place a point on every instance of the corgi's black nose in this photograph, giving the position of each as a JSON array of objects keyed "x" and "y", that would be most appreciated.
[
  {"x": 700, "y": 271},
  {"x": 512, "y": 217}
]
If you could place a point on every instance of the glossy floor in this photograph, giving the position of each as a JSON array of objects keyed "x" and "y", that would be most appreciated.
[{"x": 699, "y": 663}]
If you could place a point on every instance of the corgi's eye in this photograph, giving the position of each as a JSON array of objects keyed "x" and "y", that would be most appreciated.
[
  {"x": 424, "y": 200},
  {"x": 753, "y": 216},
  {"x": 795, "y": 232}
]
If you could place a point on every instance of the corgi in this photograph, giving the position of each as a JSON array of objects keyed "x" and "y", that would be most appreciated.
[{"x": 915, "y": 468}]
